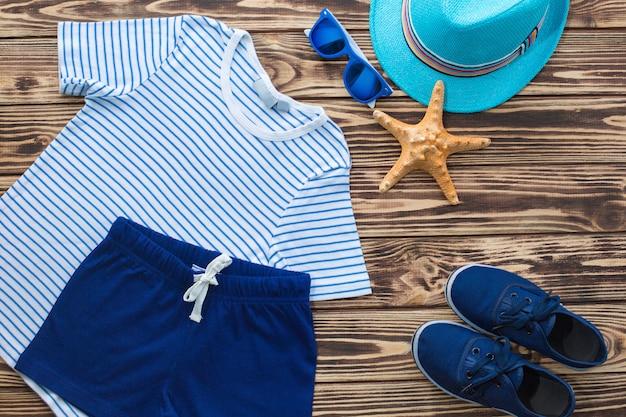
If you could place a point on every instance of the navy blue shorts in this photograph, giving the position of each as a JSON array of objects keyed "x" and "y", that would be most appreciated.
[{"x": 122, "y": 341}]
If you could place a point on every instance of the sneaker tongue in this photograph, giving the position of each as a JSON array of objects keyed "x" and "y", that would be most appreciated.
[
  {"x": 548, "y": 324},
  {"x": 516, "y": 376}
]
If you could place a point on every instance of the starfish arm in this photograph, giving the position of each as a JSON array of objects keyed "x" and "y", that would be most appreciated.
[
  {"x": 400, "y": 169},
  {"x": 442, "y": 176},
  {"x": 465, "y": 143},
  {"x": 398, "y": 129},
  {"x": 434, "y": 112}
]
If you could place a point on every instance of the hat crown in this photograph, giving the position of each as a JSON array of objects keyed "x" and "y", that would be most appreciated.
[{"x": 474, "y": 32}]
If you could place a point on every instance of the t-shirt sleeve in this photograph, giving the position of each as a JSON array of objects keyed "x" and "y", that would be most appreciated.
[
  {"x": 318, "y": 235},
  {"x": 112, "y": 58}
]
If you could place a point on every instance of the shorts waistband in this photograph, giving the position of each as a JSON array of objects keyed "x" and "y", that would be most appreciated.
[{"x": 174, "y": 259}]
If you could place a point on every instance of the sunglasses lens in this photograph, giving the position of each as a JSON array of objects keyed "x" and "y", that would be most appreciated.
[
  {"x": 327, "y": 38},
  {"x": 362, "y": 82}
]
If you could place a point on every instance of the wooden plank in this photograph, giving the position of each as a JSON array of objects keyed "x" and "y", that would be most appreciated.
[
  {"x": 555, "y": 194},
  {"x": 25, "y": 131},
  {"x": 38, "y": 17},
  {"x": 420, "y": 398},
  {"x": 29, "y": 72},
  {"x": 495, "y": 200},
  {"x": 16, "y": 398},
  {"x": 411, "y": 272},
  {"x": 416, "y": 398},
  {"x": 6, "y": 181},
  {"x": 528, "y": 131},
  {"x": 367, "y": 352},
  {"x": 375, "y": 344},
  {"x": 569, "y": 131},
  {"x": 393, "y": 399}
]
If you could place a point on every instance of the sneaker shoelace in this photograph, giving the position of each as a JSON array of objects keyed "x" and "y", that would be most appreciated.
[
  {"x": 489, "y": 368},
  {"x": 518, "y": 318}
]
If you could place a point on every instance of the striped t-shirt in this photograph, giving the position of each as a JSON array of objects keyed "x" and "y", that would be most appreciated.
[{"x": 183, "y": 132}]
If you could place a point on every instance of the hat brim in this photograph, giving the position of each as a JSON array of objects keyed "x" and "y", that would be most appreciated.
[{"x": 463, "y": 94}]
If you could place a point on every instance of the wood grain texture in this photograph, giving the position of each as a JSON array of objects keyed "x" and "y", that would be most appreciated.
[
  {"x": 371, "y": 349},
  {"x": 585, "y": 62},
  {"x": 546, "y": 200},
  {"x": 568, "y": 130},
  {"x": 39, "y": 17},
  {"x": 411, "y": 272}
]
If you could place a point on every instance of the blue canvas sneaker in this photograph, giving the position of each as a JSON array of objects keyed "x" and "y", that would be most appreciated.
[
  {"x": 476, "y": 368},
  {"x": 502, "y": 303}
]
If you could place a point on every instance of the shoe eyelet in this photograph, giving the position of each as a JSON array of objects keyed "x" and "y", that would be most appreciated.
[
  {"x": 475, "y": 351},
  {"x": 490, "y": 356},
  {"x": 528, "y": 300},
  {"x": 468, "y": 375},
  {"x": 513, "y": 295},
  {"x": 499, "y": 384}
]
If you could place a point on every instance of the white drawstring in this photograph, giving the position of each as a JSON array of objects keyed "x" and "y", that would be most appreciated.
[{"x": 198, "y": 291}]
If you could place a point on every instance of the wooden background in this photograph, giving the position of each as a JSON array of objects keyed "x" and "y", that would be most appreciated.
[{"x": 547, "y": 199}]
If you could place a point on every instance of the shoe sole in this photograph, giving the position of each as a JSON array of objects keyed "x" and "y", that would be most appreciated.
[
  {"x": 414, "y": 350},
  {"x": 448, "y": 297}
]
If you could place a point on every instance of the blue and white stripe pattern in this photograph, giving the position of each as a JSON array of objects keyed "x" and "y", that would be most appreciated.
[{"x": 174, "y": 136}]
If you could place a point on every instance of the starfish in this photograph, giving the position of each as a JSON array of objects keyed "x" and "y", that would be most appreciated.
[{"x": 427, "y": 145}]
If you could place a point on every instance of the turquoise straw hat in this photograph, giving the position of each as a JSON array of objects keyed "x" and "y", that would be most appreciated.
[{"x": 485, "y": 51}]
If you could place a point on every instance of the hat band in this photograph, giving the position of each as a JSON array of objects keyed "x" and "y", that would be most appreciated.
[{"x": 453, "y": 68}]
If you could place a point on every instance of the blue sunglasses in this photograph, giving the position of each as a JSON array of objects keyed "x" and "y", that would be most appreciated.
[{"x": 331, "y": 40}]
